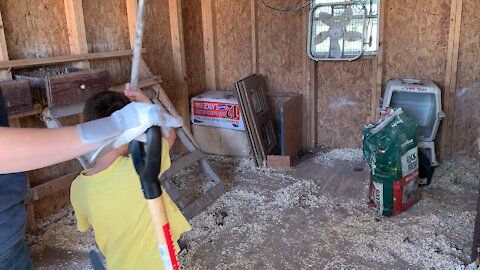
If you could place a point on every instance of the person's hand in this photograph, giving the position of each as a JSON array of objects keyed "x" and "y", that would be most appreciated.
[{"x": 135, "y": 95}]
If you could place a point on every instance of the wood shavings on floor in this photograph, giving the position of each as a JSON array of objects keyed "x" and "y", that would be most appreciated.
[{"x": 315, "y": 216}]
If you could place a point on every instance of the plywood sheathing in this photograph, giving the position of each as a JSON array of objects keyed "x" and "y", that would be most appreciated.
[
  {"x": 416, "y": 39},
  {"x": 193, "y": 38},
  {"x": 234, "y": 43},
  {"x": 281, "y": 48},
  {"x": 35, "y": 28},
  {"x": 107, "y": 30},
  {"x": 344, "y": 95},
  {"x": 467, "y": 118}
]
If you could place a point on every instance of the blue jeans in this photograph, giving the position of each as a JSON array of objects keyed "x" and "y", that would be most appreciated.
[{"x": 16, "y": 258}]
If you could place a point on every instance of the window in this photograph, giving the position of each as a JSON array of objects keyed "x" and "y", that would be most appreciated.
[{"x": 342, "y": 29}]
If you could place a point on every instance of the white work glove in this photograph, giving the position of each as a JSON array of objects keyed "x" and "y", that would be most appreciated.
[{"x": 124, "y": 126}]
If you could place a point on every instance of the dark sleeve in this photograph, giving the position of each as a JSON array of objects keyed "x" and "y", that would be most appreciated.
[{"x": 3, "y": 113}]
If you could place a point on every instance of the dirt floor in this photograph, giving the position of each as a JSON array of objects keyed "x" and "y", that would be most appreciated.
[{"x": 314, "y": 216}]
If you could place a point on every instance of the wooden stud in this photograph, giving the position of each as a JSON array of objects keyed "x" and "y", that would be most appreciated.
[
  {"x": 4, "y": 74},
  {"x": 451, "y": 77},
  {"x": 179, "y": 60},
  {"x": 24, "y": 63},
  {"x": 77, "y": 37},
  {"x": 253, "y": 10},
  {"x": 309, "y": 96},
  {"x": 132, "y": 19},
  {"x": 378, "y": 65},
  {"x": 209, "y": 43}
]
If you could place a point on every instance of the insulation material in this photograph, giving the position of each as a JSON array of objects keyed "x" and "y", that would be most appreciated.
[
  {"x": 234, "y": 41},
  {"x": 35, "y": 28},
  {"x": 281, "y": 48},
  {"x": 106, "y": 29},
  {"x": 194, "y": 55},
  {"x": 416, "y": 39},
  {"x": 467, "y": 119},
  {"x": 344, "y": 93}
]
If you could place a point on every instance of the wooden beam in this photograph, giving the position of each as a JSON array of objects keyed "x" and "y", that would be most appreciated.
[
  {"x": 77, "y": 37},
  {"x": 132, "y": 6},
  {"x": 53, "y": 186},
  {"x": 179, "y": 60},
  {"x": 4, "y": 74},
  {"x": 309, "y": 96},
  {"x": 24, "y": 63},
  {"x": 253, "y": 11},
  {"x": 378, "y": 65},
  {"x": 210, "y": 43},
  {"x": 451, "y": 77}
]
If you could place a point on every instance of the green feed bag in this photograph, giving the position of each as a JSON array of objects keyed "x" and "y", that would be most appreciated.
[{"x": 390, "y": 148}]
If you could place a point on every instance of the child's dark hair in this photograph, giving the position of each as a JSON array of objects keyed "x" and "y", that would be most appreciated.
[{"x": 103, "y": 104}]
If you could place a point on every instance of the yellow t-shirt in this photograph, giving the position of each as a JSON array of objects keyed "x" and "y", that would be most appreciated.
[{"x": 112, "y": 202}]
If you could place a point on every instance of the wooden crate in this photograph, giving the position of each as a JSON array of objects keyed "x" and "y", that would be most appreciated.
[
  {"x": 71, "y": 86},
  {"x": 17, "y": 96}
]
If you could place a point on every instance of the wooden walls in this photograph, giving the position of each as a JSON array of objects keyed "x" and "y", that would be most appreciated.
[
  {"x": 193, "y": 38},
  {"x": 416, "y": 39},
  {"x": 234, "y": 45},
  {"x": 466, "y": 127},
  {"x": 35, "y": 28}
]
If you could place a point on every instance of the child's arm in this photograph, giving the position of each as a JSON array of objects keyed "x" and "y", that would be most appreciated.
[{"x": 171, "y": 138}]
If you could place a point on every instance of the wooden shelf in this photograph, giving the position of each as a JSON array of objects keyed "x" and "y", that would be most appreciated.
[{"x": 37, "y": 109}]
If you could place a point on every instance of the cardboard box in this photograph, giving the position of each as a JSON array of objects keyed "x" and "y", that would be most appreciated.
[
  {"x": 222, "y": 141},
  {"x": 217, "y": 109}
]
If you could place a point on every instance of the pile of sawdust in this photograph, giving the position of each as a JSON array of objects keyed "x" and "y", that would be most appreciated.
[
  {"x": 344, "y": 154},
  {"x": 59, "y": 230},
  {"x": 278, "y": 220}
]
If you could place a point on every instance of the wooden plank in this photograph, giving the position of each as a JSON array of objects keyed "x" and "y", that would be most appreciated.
[
  {"x": 253, "y": 22},
  {"x": 132, "y": 6},
  {"x": 451, "y": 77},
  {"x": 17, "y": 96},
  {"x": 309, "y": 118},
  {"x": 4, "y": 74},
  {"x": 379, "y": 64},
  {"x": 77, "y": 37},
  {"x": 53, "y": 186},
  {"x": 37, "y": 109},
  {"x": 209, "y": 44},
  {"x": 141, "y": 84},
  {"x": 279, "y": 162},
  {"x": 24, "y": 63},
  {"x": 179, "y": 60},
  {"x": 184, "y": 162},
  {"x": 291, "y": 124},
  {"x": 208, "y": 198}
]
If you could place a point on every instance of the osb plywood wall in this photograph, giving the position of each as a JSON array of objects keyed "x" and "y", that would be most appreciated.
[
  {"x": 343, "y": 107},
  {"x": 35, "y": 28},
  {"x": 281, "y": 48},
  {"x": 234, "y": 43},
  {"x": 416, "y": 39},
  {"x": 106, "y": 29},
  {"x": 193, "y": 38},
  {"x": 467, "y": 101}
]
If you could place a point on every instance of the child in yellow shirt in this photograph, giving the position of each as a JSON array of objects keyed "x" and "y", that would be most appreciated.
[{"x": 109, "y": 198}]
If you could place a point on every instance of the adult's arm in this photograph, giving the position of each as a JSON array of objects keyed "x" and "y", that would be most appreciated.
[{"x": 23, "y": 149}]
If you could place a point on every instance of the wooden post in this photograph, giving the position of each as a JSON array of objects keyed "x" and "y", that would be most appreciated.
[
  {"x": 77, "y": 37},
  {"x": 209, "y": 43},
  {"x": 132, "y": 6},
  {"x": 4, "y": 74},
  {"x": 253, "y": 10},
  {"x": 309, "y": 96},
  {"x": 378, "y": 64},
  {"x": 451, "y": 78},
  {"x": 179, "y": 60}
]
